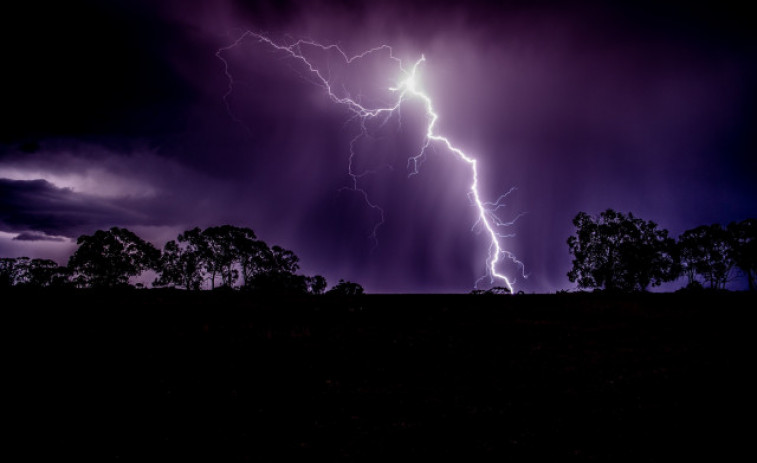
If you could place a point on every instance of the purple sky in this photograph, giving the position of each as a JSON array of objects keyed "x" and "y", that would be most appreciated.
[{"x": 115, "y": 116}]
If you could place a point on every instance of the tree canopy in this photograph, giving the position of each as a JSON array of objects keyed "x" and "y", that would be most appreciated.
[
  {"x": 743, "y": 237},
  {"x": 230, "y": 255},
  {"x": 620, "y": 252},
  {"x": 706, "y": 251},
  {"x": 236, "y": 256},
  {"x": 108, "y": 258},
  {"x": 346, "y": 288}
]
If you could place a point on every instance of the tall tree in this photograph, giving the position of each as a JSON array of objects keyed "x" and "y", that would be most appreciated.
[
  {"x": 620, "y": 252},
  {"x": 182, "y": 261},
  {"x": 706, "y": 251},
  {"x": 284, "y": 260},
  {"x": 255, "y": 257},
  {"x": 179, "y": 266},
  {"x": 221, "y": 253},
  {"x": 109, "y": 258},
  {"x": 743, "y": 237},
  {"x": 275, "y": 273}
]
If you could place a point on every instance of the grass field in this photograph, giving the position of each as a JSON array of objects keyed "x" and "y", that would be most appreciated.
[{"x": 172, "y": 376}]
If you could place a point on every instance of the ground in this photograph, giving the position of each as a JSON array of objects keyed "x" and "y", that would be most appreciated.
[{"x": 171, "y": 376}]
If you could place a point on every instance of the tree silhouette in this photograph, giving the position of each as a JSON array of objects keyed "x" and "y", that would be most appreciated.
[
  {"x": 274, "y": 272},
  {"x": 220, "y": 254},
  {"x": 620, "y": 252},
  {"x": 706, "y": 251},
  {"x": 227, "y": 249},
  {"x": 43, "y": 273},
  {"x": 284, "y": 261},
  {"x": 687, "y": 252},
  {"x": 7, "y": 272},
  {"x": 183, "y": 261},
  {"x": 231, "y": 252},
  {"x": 345, "y": 288},
  {"x": 180, "y": 265},
  {"x": 744, "y": 248},
  {"x": 21, "y": 267},
  {"x": 316, "y": 284},
  {"x": 254, "y": 257},
  {"x": 108, "y": 258}
]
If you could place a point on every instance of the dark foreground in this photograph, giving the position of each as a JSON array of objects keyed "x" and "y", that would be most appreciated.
[{"x": 170, "y": 376}]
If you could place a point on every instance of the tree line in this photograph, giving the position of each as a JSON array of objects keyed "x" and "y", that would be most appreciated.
[
  {"x": 620, "y": 252},
  {"x": 613, "y": 251},
  {"x": 223, "y": 256}
]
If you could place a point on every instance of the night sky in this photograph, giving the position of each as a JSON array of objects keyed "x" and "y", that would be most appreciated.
[{"x": 114, "y": 115}]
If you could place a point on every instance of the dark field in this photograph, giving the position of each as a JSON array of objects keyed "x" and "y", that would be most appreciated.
[{"x": 172, "y": 376}]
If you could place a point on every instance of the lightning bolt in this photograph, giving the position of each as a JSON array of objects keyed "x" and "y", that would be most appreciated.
[{"x": 409, "y": 87}]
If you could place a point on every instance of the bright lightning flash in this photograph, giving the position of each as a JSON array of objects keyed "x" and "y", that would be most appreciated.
[{"x": 407, "y": 88}]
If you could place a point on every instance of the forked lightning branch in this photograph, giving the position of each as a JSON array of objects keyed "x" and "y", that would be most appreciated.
[{"x": 408, "y": 87}]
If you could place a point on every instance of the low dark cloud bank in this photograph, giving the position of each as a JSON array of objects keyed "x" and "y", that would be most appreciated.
[{"x": 37, "y": 236}]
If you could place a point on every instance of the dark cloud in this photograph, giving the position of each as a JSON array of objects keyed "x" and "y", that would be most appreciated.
[
  {"x": 38, "y": 205},
  {"x": 37, "y": 236},
  {"x": 73, "y": 189},
  {"x": 89, "y": 69}
]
